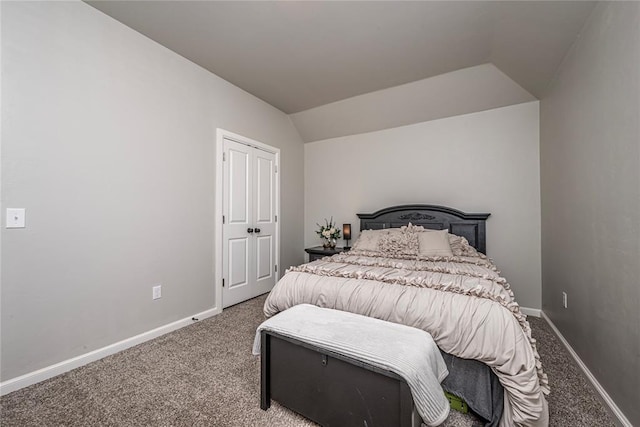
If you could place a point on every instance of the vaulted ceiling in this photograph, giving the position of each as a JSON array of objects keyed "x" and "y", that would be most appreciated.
[{"x": 304, "y": 54}]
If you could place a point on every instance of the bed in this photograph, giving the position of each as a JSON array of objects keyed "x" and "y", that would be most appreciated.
[{"x": 458, "y": 297}]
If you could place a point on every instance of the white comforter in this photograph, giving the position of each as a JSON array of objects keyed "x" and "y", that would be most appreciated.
[{"x": 461, "y": 301}]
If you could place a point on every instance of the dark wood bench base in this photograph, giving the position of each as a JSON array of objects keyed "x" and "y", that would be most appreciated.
[{"x": 331, "y": 389}]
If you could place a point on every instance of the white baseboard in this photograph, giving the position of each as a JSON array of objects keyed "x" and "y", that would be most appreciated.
[
  {"x": 613, "y": 408},
  {"x": 59, "y": 368},
  {"x": 533, "y": 312}
]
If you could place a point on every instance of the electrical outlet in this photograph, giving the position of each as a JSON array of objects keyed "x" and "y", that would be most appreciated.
[
  {"x": 564, "y": 299},
  {"x": 157, "y": 292}
]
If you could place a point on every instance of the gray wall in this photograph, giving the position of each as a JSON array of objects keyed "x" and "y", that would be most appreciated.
[
  {"x": 479, "y": 162},
  {"x": 108, "y": 142},
  {"x": 590, "y": 185}
]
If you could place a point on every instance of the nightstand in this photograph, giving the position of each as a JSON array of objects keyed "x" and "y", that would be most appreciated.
[{"x": 318, "y": 252}]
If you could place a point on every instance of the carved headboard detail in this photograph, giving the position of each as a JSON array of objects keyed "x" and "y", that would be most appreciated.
[
  {"x": 416, "y": 217},
  {"x": 468, "y": 225}
]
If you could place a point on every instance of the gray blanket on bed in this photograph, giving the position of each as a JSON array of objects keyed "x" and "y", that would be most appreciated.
[{"x": 474, "y": 382}]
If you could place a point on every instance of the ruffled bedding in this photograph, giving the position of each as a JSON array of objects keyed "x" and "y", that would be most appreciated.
[{"x": 462, "y": 301}]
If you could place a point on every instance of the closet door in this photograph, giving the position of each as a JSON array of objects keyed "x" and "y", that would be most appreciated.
[
  {"x": 249, "y": 239},
  {"x": 264, "y": 209}
]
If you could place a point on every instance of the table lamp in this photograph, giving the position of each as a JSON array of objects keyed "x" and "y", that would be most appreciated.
[{"x": 346, "y": 234}]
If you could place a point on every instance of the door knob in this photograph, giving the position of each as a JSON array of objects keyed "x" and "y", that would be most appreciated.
[
  {"x": 249, "y": 230},
  {"x": 257, "y": 230}
]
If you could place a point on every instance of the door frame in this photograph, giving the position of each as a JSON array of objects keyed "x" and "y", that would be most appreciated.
[{"x": 218, "y": 253}]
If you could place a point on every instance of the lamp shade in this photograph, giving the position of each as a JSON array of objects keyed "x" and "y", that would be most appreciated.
[{"x": 346, "y": 231}]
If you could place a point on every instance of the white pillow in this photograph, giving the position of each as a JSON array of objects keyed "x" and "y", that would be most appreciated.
[
  {"x": 434, "y": 243},
  {"x": 369, "y": 239}
]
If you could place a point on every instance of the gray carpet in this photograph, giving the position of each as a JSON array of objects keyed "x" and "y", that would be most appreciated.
[{"x": 205, "y": 375}]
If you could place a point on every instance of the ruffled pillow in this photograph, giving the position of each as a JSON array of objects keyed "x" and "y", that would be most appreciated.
[
  {"x": 410, "y": 228},
  {"x": 369, "y": 239},
  {"x": 461, "y": 247},
  {"x": 401, "y": 243}
]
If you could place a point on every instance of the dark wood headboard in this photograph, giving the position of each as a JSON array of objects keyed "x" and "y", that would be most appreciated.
[{"x": 468, "y": 225}]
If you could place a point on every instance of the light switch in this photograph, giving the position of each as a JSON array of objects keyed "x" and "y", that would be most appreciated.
[{"x": 15, "y": 218}]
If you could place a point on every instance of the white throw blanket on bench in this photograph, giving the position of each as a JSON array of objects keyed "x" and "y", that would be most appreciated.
[{"x": 409, "y": 352}]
